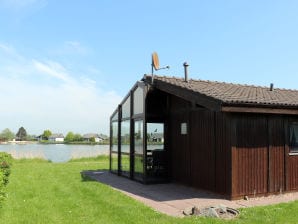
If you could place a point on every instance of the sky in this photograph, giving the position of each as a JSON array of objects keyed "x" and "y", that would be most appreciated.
[{"x": 66, "y": 65}]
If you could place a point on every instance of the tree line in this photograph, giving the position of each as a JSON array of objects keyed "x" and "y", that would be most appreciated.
[
  {"x": 70, "y": 137},
  {"x": 21, "y": 135}
]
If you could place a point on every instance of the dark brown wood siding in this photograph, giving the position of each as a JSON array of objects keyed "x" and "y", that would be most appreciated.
[
  {"x": 223, "y": 162},
  {"x": 276, "y": 154},
  {"x": 250, "y": 157},
  {"x": 258, "y": 154},
  {"x": 179, "y": 150},
  {"x": 202, "y": 157},
  {"x": 234, "y": 154},
  {"x": 292, "y": 173}
]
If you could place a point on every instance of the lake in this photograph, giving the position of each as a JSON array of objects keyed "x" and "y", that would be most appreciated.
[{"x": 54, "y": 152}]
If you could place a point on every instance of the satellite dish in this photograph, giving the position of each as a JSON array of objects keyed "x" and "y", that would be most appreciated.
[
  {"x": 155, "y": 64},
  {"x": 155, "y": 61}
]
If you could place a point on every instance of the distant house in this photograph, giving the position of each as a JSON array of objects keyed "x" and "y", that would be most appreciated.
[
  {"x": 39, "y": 137},
  {"x": 89, "y": 136},
  {"x": 156, "y": 137},
  {"x": 56, "y": 138},
  {"x": 103, "y": 137}
]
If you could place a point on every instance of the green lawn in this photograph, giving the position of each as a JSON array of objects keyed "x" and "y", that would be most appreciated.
[{"x": 43, "y": 192}]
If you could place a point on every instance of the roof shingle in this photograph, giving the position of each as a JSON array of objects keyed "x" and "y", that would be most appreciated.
[{"x": 230, "y": 93}]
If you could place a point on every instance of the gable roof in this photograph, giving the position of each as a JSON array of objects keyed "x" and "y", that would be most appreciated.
[
  {"x": 94, "y": 135},
  {"x": 91, "y": 135},
  {"x": 217, "y": 94},
  {"x": 57, "y": 135}
]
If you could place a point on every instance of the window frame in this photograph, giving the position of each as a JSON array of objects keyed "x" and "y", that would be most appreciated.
[{"x": 293, "y": 150}]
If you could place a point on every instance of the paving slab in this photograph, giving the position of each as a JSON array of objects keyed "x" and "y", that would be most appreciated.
[{"x": 172, "y": 198}]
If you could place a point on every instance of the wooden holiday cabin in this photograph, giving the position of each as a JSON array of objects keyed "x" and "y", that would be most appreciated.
[{"x": 234, "y": 140}]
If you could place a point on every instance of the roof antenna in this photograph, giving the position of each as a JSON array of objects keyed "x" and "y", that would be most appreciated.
[{"x": 155, "y": 64}]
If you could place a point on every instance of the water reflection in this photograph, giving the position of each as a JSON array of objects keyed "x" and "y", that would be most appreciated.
[{"x": 54, "y": 152}]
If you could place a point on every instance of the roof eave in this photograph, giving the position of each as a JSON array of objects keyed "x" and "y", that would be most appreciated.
[{"x": 259, "y": 108}]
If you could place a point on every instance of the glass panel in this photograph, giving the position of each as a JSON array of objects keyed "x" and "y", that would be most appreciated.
[
  {"x": 155, "y": 136},
  {"x": 115, "y": 136},
  {"x": 125, "y": 147},
  {"x": 294, "y": 137},
  {"x": 138, "y": 101},
  {"x": 114, "y": 162},
  {"x": 125, "y": 136},
  {"x": 156, "y": 155},
  {"x": 125, "y": 164},
  {"x": 138, "y": 160},
  {"x": 126, "y": 108},
  {"x": 138, "y": 137},
  {"x": 115, "y": 117}
]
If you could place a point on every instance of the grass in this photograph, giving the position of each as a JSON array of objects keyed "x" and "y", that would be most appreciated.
[{"x": 44, "y": 192}]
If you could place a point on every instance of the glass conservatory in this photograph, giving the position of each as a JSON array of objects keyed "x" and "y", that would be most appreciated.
[{"x": 138, "y": 142}]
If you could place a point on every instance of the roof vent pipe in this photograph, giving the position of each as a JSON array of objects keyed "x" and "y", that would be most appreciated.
[
  {"x": 271, "y": 86},
  {"x": 185, "y": 71}
]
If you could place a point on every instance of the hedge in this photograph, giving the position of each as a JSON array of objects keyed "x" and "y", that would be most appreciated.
[{"x": 5, "y": 164}]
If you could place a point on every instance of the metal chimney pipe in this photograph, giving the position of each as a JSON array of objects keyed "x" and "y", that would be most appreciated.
[
  {"x": 185, "y": 71},
  {"x": 271, "y": 86}
]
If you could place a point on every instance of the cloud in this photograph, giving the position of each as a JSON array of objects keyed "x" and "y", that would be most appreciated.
[
  {"x": 53, "y": 69},
  {"x": 6, "y": 49},
  {"x": 9, "y": 51},
  {"x": 44, "y": 94}
]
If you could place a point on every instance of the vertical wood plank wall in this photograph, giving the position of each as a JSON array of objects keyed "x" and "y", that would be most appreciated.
[
  {"x": 179, "y": 151},
  {"x": 223, "y": 157},
  {"x": 230, "y": 153},
  {"x": 292, "y": 173},
  {"x": 259, "y": 156},
  {"x": 276, "y": 154},
  {"x": 202, "y": 158},
  {"x": 250, "y": 157}
]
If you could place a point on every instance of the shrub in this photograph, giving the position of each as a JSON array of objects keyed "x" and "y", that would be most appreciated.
[
  {"x": 5, "y": 164},
  {"x": 2, "y": 193}
]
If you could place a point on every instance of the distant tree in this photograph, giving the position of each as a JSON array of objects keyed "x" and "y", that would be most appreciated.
[
  {"x": 69, "y": 137},
  {"x": 31, "y": 138},
  {"x": 77, "y": 138},
  {"x": 46, "y": 134},
  {"x": 21, "y": 134},
  {"x": 92, "y": 139},
  {"x": 7, "y": 135}
]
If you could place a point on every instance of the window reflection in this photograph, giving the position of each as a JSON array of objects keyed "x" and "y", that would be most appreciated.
[
  {"x": 138, "y": 158},
  {"x": 294, "y": 137},
  {"x": 155, "y": 136},
  {"x": 125, "y": 147},
  {"x": 115, "y": 117},
  {"x": 114, "y": 161},
  {"x": 115, "y": 136},
  {"x": 138, "y": 101},
  {"x": 138, "y": 137},
  {"x": 126, "y": 108},
  {"x": 156, "y": 162}
]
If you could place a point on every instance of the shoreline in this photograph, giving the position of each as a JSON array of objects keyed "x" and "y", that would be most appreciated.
[
  {"x": 17, "y": 142},
  {"x": 49, "y": 143}
]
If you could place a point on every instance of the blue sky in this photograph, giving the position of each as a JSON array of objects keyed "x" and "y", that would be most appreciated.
[{"x": 65, "y": 65}]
